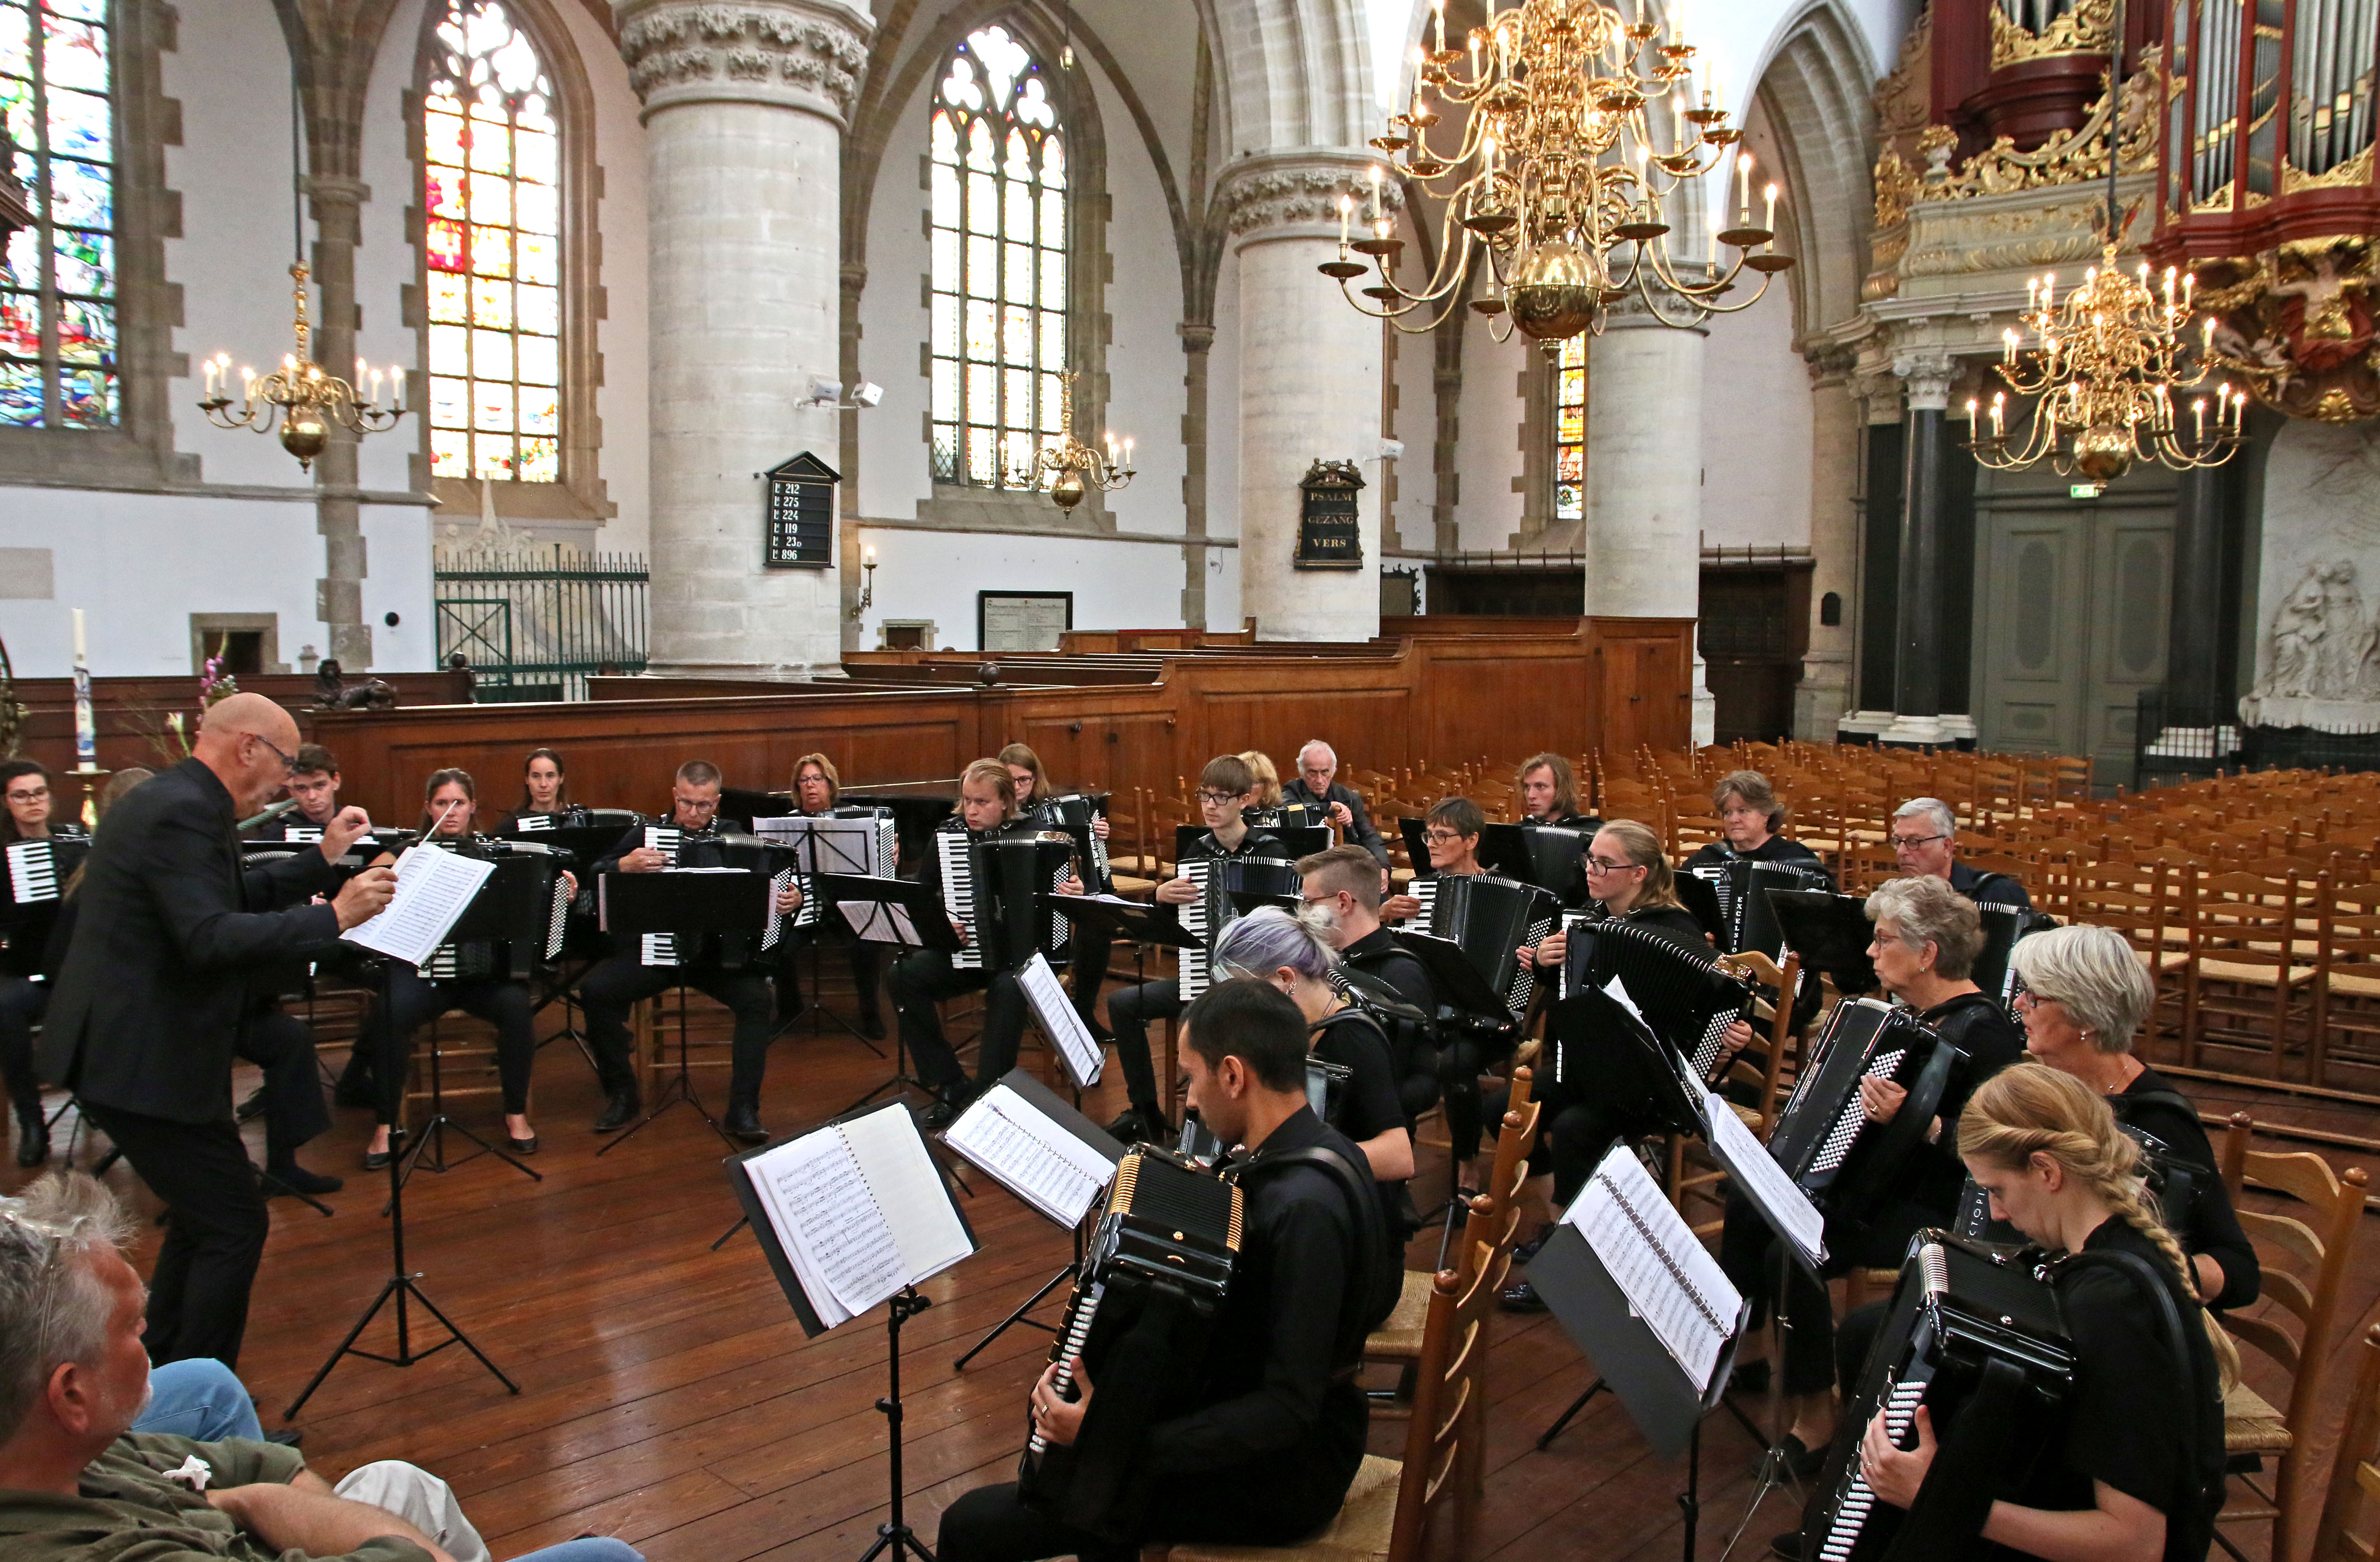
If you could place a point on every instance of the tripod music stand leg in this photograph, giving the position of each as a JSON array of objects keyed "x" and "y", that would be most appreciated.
[
  {"x": 1018, "y": 1317},
  {"x": 894, "y": 1535},
  {"x": 1690, "y": 1502},
  {"x": 1774, "y": 1470},
  {"x": 1545, "y": 1438},
  {"x": 679, "y": 1088}
]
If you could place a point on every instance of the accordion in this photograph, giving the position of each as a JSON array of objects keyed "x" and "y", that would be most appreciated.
[
  {"x": 715, "y": 850},
  {"x": 1074, "y": 815},
  {"x": 1848, "y": 1164},
  {"x": 1994, "y": 971},
  {"x": 517, "y": 920},
  {"x": 1688, "y": 998},
  {"x": 999, "y": 889},
  {"x": 1974, "y": 1334},
  {"x": 38, "y": 871},
  {"x": 2173, "y": 1180},
  {"x": 1220, "y": 881},
  {"x": 1489, "y": 919},
  {"x": 1742, "y": 884},
  {"x": 1144, "y": 1303}
]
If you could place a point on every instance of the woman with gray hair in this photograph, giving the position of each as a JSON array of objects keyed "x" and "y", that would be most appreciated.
[
  {"x": 2083, "y": 997},
  {"x": 1293, "y": 953},
  {"x": 1927, "y": 939}
]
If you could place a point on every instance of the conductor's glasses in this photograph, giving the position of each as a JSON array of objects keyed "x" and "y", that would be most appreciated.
[{"x": 289, "y": 764}]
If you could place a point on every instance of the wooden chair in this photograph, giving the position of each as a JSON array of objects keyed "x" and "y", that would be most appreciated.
[
  {"x": 1393, "y": 1505},
  {"x": 2322, "y": 1246},
  {"x": 2341, "y": 1533},
  {"x": 2347, "y": 983},
  {"x": 1699, "y": 1176},
  {"x": 2248, "y": 985}
]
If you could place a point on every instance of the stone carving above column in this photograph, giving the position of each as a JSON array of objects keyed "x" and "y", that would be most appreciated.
[
  {"x": 1927, "y": 375},
  {"x": 1295, "y": 195},
  {"x": 804, "y": 55}
]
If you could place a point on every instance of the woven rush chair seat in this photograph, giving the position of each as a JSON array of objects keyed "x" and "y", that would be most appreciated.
[{"x": 1360, "y": 1533}]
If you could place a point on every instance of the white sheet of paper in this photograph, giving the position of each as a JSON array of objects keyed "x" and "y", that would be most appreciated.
[
  {"x": 1031, "y": 1156},
  {"x": 879, "y": 921},
  {"x": 908, "y": 1188},
  {"x": 1764, "y": 1181},
  {"x": 1617, "y": 991},
  {"x": 840, "y": 1241},
  {"x": 1670, "y": 1278},
  {"x": 433, "y": 889},
  {"x": 1083, "y": 1057}
]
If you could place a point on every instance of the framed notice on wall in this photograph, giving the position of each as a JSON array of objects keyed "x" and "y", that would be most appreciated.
[
  {"x": 1022, "y": 621},
  {"x": 801, "y": 519},
  {"x": 1328, "y": 531}
]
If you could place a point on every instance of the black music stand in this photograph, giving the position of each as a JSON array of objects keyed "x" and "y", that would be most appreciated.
[
  {"x": 1831, "y": 933},
  {"x": 402, "y": 1283},
  {"x": 806, "y": 862},
  {"x": 906, "y": 915},
  {"x": 1553, "y": 857},
  {"x": 514, "y": 907},
  {"x": 684, "y": 905},
  {"x": 1699, "y": 896},
  {"x": 1456, "y": 980}
]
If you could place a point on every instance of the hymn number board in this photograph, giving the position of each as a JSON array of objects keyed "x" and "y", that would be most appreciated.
[
  {"x": 1329, "y": 534},
  {"x": 801, "y": 514}
]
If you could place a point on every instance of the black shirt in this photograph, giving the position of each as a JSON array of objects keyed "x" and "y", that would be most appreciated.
[
  {"x": 1362, "y": 831},
  {"x": 1367, "y": 1105},
  {"x": 1776, "y": 848},
  {"x": 2213, "y": 1226},
  {"x": 1978, "y": 1026},
  {"x": 1988, "y": 889},
  {"x": 1278, "y": 1431},
  {"x": 1377, "y": 954},
  {"x": 2130, "y": 1419},
  {"x": 1257, "y": 842},
  {"x": 291, "y": 826}
]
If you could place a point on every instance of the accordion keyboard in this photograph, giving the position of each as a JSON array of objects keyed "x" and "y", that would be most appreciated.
[
  {"x": 1859, "y": 1501},
  {"x": 1848, "y": 1123},
  {"x": 1192, "y": 968},
  {"x": 958, "y": 896}
]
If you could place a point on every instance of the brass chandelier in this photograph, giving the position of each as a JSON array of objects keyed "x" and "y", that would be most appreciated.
[
  {"x": 2111, "y": 362},
  {"x": 1560, "y": 177},
  {"x": 299, "y": 396},
  {"x": 1073, "y": 467}
]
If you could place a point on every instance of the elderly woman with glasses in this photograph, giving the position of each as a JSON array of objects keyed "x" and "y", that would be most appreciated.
[
  {"x": 1925, "y": 837},
  {"x": 22, "y": 994}
]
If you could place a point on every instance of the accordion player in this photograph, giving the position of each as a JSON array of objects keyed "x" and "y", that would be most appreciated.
[{"x": 1488, "y": 920}]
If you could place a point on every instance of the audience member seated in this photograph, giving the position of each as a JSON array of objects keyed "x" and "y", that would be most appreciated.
[
  {"x": 1925, "y": 837},
  {"x": 82, "y": 1485},
  {"x": 1316, "y": 787}
]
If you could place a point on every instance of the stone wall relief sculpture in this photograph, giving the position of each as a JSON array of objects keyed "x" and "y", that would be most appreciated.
[{"x": 2318, "y": 655}]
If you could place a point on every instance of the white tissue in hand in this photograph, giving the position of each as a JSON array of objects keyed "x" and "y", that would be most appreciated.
[{"x": 193, "y": 1472}]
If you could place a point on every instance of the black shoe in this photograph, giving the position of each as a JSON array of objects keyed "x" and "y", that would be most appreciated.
[
  {"x": 1530, "y": 1249},
  {"x": 1099, "y": 1032},
  {"x": 620, "y": 1109},
  {"x": 743, "y": 1121},
  {"x": 378, "y": 1160},
  {"x": 297, "y": 1179},
  {"x": 1787, "y": 1545},
  {"x": 1521, "y": 1297},
  {"x": 354, "y": 1086},
  {"x": 871, "y": 1025},
  {"x": 521, "y": 1146},
  {"x": 936, "y": 1114},
  {"x": 250, "y": 1109},
  {"x": 32, "y": 1140},
  {"x": 1750, "y": 1377},
  {"x": 288, "y": 1436},
  {"x": 1803, "y": 1461},
  {"x": 1141, "y": 1125}
]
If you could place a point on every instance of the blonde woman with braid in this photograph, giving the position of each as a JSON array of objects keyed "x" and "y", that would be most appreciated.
[{"x": 2136, "y": 1472}]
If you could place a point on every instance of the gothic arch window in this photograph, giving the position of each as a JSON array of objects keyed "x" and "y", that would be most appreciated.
[
  {"x": 1000, "y": 261},
  {"x": 492, "y": 243},
  {"x": 1570, "y": 429},
  {"x": 59, "y": 325}
]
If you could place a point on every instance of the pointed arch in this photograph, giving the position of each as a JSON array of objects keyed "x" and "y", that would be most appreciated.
[{"x": 1816, "y": 93}]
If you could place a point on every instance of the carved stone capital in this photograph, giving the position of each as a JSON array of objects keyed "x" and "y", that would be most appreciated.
[
  {"x": 1296, "y": 194},
  {"x": 804, "y": 55},
  {"x": 1928, "y": 375},
  {"x": 1196, "y": 337}
]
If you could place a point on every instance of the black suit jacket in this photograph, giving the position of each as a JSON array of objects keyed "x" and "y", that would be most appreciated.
[
  {"x": 1363, "y": 832},
  {"x": 170, "y": 928}
]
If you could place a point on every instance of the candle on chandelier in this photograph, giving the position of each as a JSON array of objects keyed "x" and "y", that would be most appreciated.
[
  {"x": 1677, "y": 122},
  {"x": 1418, "y": 104},
  {"x": 2189, "y": 282},
  {"x": 1380, "y": 229},
  {"x": 2207, "y": 336},
  {"x": 1375, "y": 192},
  {"x": 212, "y": 372},
  {"x": 1128, "y": 452},
  {"x": 1474, "y": 53},
  {"x": 1744, "y": 188},
  {"x": 1999, "y": 410},
  {"x": 1346, "y": 210},
  {"x": 1437, "y": 20},
  {"x": 1768, "y": 213},
  {"x": 2198, "y": 415},
  {"x": 375, "y": 388},
  {"x": 359, "y": 369},
  {"x": 2007, "y": 345}
]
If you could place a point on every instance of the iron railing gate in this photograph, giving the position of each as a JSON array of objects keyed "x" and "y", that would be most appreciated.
[{"x": 534, "y": 624}]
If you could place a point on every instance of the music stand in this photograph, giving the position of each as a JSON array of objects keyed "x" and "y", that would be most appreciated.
[
  {"x": 1699, "y": 896},
  {"x": 514, "y": 907},
  {"x": 901, "y": 912},
  {"x": 1831, "y": 933},
  {"x": 402, "y": 1283},
  {"x": 684, "y": 905},
  {"x": 1553, "y": 857},
  {"x": 815, "y": 858},
  {"x": 1456, "y": 980}
]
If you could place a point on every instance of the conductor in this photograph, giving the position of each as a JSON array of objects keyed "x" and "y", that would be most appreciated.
[{"x": 149, "y": 1004}]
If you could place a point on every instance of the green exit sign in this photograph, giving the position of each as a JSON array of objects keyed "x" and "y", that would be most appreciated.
[{"x": 2085, "y": 490}]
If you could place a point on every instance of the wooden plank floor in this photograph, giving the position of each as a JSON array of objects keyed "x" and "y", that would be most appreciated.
[{"x": 668, "y": 1396}]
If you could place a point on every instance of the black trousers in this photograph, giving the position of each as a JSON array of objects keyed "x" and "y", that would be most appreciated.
[
  {"x": 21, "y": 1003},
  {"x": 1093, "y": 954},
  {"x": 414, "y": 1000},
  {"x": 1748, "y": 1252},
  {"x": 616, "y": 985},
  {"x": 215, "y": 1230},
  {"x": 1459, "y": 1063},
  {"x": 866, "y": 966},
  {"x": 283, "y": 1045},
  {"x": 1129, "y": 1011},
  {"x": 925, "y": 977}
]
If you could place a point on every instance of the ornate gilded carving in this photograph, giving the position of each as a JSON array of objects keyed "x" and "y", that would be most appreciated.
[
  {"x": 2069, "y": 157},
  {"x": 2354, "y": 172},
  {"x": 2297, "y": 323},
  {"x": 1896, "y": 188},
  {"x": 2049, "y": 235},
  {"x": 2083, "y": 30},
  {"x": 1903, "y": 99}
]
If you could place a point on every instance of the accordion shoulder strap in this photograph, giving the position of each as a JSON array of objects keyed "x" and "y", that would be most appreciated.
[{"x": 1363, "y": 1308}]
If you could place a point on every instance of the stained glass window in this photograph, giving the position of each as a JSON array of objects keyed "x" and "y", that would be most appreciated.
[
  {"x": 1570, "y": 429},
  {"x": 491, "y": 206},
  {"x": 1000, "y": 262},
  {"x": 58, "y": 278}
]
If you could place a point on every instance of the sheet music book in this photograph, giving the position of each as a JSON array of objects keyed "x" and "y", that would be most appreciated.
[
  {"x": 842, "y": 846},
  {"x": 1759, "y": 1178},
  {"x": 1670, "y": 1278},
  {"x": 32, "y": 872},
  {"x": 1083, "y": 1057},
  {"x": 1036, "y": 1147},
  {"x": 433, "y": 889},
  {"x": 856, "y": 1211}
]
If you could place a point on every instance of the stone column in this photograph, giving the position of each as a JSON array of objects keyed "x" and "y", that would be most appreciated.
[
  {"x": 1823, "y": 695},
  {"x": 855, "y": 283},
  {"x": 744, "y": 111},
  {"x": 1309, "y": 388},
  {"x": 2194, "y": 658},
  {"x": 337, "y": 206},
  {"x": 1644, "y": 478},
  {"x": 1196, "y": 340},
  {"x": 1918, "y": 639}
]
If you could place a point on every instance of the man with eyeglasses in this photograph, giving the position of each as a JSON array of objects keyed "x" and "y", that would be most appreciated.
[
  {"x": 1924, "y": 838},
  {"x": 1318, "y": 787},
  {"x": 615, "y": 986},
  {"x": 1344, "y": 882},
  {"x": 1226, "y": 789},
  {"x": 171, "y": 929}
]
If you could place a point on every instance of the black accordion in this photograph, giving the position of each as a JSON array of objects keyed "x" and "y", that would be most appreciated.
[
  {"x": 1687, "y": 996},
  {"x": 1489, "y": 919},
  {"x": 1144, "y": 1304},
  {"x": 2173, "y": 1180},
  {"x": 37, "y": 873},
  {"x": 998, "y": 889},
  {"x": 1848, "y": 1164},
  {"x": 1225, "y": 885},
  {"x": 516, "y": 923},
  {"x": 1074, "y": 815},
  {"x": 720, "y": 849},
  {"x": 1975, "y": 1336},
  {"x": 1748, "y": 922},
  {"x": 1994, "y": 970}
]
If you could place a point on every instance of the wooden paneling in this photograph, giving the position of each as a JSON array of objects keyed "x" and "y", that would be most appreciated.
[{"x": 1424, "y": 697}]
